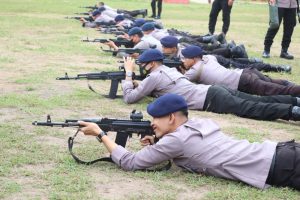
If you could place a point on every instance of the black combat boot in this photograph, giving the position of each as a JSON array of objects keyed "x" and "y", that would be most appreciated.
[
  {"x": 266, "y": 54},
  {"x": 285, "y": 54},
  {"x": 222, "y": 38},
  {"x": 255, "y": 60},
  {"x": 283, "y": 68},
  {"x": 229, "y": 45},
  {"x": 296, "y": 113},
  {"x": 298, "y": 101},
  {"x": 210, "y": 39},
  {"x": 143, "y": 12},
  {"x": 239, "y": 52}
]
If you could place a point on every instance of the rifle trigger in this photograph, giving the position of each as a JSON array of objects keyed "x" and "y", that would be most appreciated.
[
  {"x": 48, "y": 119},
  {"x": 66, "y": 75}
]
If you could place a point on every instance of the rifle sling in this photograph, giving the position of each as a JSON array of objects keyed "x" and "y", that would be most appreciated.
[{"x": 121, "y": 139}]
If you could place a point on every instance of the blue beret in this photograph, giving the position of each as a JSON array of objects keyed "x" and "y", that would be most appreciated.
[
  {"x": 150, "y": 55},
  {"x": 101, "y": 9},
  {"x": 119, "y": 18},
  {"x": 139, "y": 22},
  {"x": 134, "y": 30},
  {"x": 166, "y": 104},
  {"x": 192, "y": 51},
  {"x": 96, "y": 12},
  {"x": 169, "y": 41},
  {"x": 148, "y": 26}
]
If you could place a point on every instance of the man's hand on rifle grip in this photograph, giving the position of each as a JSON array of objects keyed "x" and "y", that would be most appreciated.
[{"x": 147, "y": 140}]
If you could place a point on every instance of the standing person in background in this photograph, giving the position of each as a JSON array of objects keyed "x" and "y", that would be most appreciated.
[
  {"x": 217, "y": 6},
  {"x": 159, "y": 7},
  {"x": 287, "y": 13}
]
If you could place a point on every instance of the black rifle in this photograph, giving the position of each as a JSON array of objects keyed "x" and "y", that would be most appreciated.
[
  {"x": 115, "y": 31},
  {"x": 173, "y": 63},
  {"x": 90, "y": 7},
  {"x": 124, "y": 129},
  {"x": 118, "y": 42},
  {"x": 115, "y": 76},
  {"x": 127, "y": 51},
  {"x": 84, "y": 13},
  {"x": 110, "y": 26},
  {"x": 176, "y": 63},
  {"x": 78, "y": 18}
]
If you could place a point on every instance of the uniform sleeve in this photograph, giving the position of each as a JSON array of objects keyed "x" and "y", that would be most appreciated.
[
  {"x": 167, "y": 148},
  {"x": 141, "y": 45},
  {"x": 90, "y": 24},
  {"x": 145, "y": 88},
  {"x": 192, "y": 75}
]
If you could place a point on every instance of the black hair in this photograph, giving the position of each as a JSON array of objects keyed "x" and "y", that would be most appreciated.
[
  {"x": 184, "y": 112},
  {"x": 159, "y": 61},
  {"x": 140, "y": 34}
]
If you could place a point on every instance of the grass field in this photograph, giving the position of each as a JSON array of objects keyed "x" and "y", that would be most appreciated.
[{"x": 37, "y": 45}]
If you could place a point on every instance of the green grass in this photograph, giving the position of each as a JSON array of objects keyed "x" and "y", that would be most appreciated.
[{"x": 37, "y": 45}]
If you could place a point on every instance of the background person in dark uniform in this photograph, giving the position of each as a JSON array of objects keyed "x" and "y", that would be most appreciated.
[
  {"x": 159, "y": 8},
  {"x": 217, "y": 6},
  {"x": 287, "y": 13}
]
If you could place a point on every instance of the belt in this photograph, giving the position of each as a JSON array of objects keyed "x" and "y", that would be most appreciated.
[{"x": 271, "y": 171}]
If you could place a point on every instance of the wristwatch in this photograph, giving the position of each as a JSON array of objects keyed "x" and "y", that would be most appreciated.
[
  {"x": 129, "y": 74},
  {"x": 100, "y": 135}
]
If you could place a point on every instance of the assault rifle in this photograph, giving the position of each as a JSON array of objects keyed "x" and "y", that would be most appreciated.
[
  {"x": 119, "y": 42},
  {"x": 90, "y": 7},
  {"x": 115, "y": 76},
  {"x": 115, "y": 31},
  {"x": 124, "y": 129},
  {"x": 173, "y": 63},
  {"x": 127, "y": 51},
  {"x": 167, "y": 62},
  {"x": 78, "y": 18},
  {"x": 84, "y": 13}
]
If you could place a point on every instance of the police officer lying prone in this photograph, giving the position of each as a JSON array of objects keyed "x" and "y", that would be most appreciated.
[
  {"x": 199, "y": 146},
  {"x": 219, "y": 99},
  {"x": 140, "y": 41},
  {"x": 206, "y": 70},
  {"x": 172, "y": 49}
]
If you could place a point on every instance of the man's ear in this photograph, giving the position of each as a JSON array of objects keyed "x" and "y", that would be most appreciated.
[{"x": 172, "y": 118}]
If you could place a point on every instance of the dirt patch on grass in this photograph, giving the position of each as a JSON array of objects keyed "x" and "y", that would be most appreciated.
[
  {"x": 30, "y": 187},
  {"x": 116, "y": 186},
  {"x": 7, "y": 114},
  {"x": 51, "y": 140}
]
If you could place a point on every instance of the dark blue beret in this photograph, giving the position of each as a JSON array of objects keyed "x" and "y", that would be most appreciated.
[
  {"x": 192, "y": 51},
  {"x": 169, "y": 41},
  {"x": 119, "y": 18},
  {"x": 150, "y": 55},
  {"x": 139, "y": 22},
  {"x": 134, "y": 30},
  {"x": 96, "y": 12},
  {"x": 148, "y": 26},
  {"x": 101, "y": 9},
  {"x": 166, "y": 104}
]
